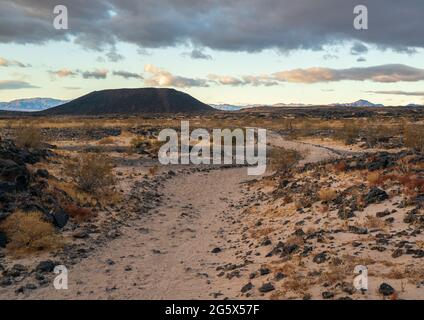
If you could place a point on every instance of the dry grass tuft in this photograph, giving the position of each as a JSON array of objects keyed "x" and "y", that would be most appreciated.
[
  {"x": 374, "y": 178},
  {"x": 78, "y": 213},
  {"x": 282, "y": 160},
  {"x": 28, "y": 232},
  {"x": 91, "y": 173},
  {"x": 414, "y": 137},
  {"x": 327, "y": 194},
  {"x": 29, "y": 137},
  {"x": 107, "y": 140}
]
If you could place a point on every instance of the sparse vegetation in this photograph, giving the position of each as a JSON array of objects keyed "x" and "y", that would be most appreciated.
[
  {"x": 78, "y": 213},
  {"x": 91, "y": 173},
  {"x": 29, "y": 137},
  {"x": 29, "y": 232},
  {"x": 414, "y": 137},
  {"x": 281, "y": 160},
  {"x": 327, "y": 194}
]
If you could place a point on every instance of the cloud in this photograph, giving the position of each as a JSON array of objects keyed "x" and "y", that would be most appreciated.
[
  {"x": 162, "y": 78},
  {"x": 384, "y": 73},
  {"x": 12, "y": 63},
  {"x": 114, "y": 56},
  {"x": 389, "y": 73},
  {"x": 358, "y": 49},
  {"x": 400, "y": 93},
  {"x": 96, "y": 74},
  {"x": 14, "y": 85},
  {"x": 72, "y": 88},
  {"x": 127, "y": 75},
  {"x": 262, "y": 80},
  {"x": 361, "y": 59},
  {"x": 198, "y": 55},
  {"x": 218, "y": 24},
  {"x": 63, "y": 73}
]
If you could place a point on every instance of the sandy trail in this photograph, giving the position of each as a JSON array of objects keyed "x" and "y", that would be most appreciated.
[{"x": 168, "y": 254}]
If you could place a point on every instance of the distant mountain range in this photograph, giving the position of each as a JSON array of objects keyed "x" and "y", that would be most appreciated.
[
  {"x": 33, "y": 104},
  {"x": 229, "y": 107},
  {"x": 359, "y": 103},
  {"x": 144, "y": 100}
]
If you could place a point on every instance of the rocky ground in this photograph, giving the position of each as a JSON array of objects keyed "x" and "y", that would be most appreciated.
[{"x": 216, "y": 233}]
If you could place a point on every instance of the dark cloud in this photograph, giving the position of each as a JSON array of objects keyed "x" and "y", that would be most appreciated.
[
  {"x": 127, "y": 75},
  {"x": 237, "y": 25},
  {"x": 198, "y": 55},
  {"x": 14, "y": 84},
  {"x": 361, "y": 59},
  {"x": 96, "y": 74},
  {"x": 114, "y": 56}
]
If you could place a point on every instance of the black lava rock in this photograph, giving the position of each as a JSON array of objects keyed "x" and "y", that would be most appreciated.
[
  {"x": 376, "y": 195},
  {"x": 247, "y": 287},
  {"x": 320, "y": 258},
  {"x": 386, "y": 289},
  {"x": 266, "y": 287},
  {"x": 3, "y": 240},
  {"x": 60, "y": 219},
  {"x": 45, "y": 266}
]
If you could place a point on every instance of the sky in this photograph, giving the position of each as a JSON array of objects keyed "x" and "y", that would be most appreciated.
[{"x": 235, "y": 52}]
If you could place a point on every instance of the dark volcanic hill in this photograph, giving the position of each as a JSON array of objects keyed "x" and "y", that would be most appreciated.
[{"x": 130, "y": 101}]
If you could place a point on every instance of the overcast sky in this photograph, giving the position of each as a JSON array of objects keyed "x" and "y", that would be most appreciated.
[{"x": 239, "y": 51}]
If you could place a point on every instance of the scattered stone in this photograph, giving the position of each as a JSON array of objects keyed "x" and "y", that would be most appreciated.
[
  {"x": 247, "y": 287},
  {"x": 358, "y": 230},
  {"x": 266, "y": 287},
  {"x": 216, "y": 250},
  {"x": 320, "y": 258},
  {"x": 60, "y": 219},
  {"x": 264, "y": 271},
  {"x": 386, "y": 289},
  {"x": 383, "y": 213},
  {"x": 3, "y": 240},
  {"x": 376, "y": 195},
  {"x": 397, "y": 253},
  {"x": 46, "y": 266},
  {"x": 327, "y": 295},
  {"x": 279, "y": 276}
]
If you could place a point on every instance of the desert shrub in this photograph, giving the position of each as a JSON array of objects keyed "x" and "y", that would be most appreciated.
[
  {"x": 78, "y": 213},
  {"x": 28, "y": 232},
  {"x": 29, "y": 137},
  {"x": 372, "y": 222},
  {"x": 349, "y": 132},
  {"x": 282, "y": 160},
  {"x": 91, "y": 173},
  {"x": 414, "y": 137},
  {"x": 376, "y": 134},
  {"x": 149, "y": 144},
  {"x": 153, "y": 170},
  {"x": 374, "y": 178},
  {"x": 107, "y": 140},
  {"x": 327, "y": 194},
  {"x": 340, "y": 166}
]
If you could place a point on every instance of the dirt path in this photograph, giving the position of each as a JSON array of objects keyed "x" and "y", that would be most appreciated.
[{"x": 168, "y": 254}]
